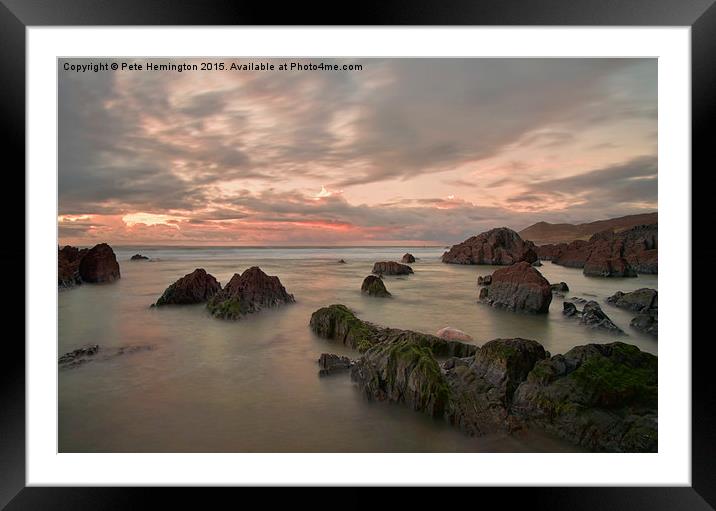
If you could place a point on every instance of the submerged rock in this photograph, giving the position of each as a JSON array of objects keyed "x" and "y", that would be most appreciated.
[
  {"x": 500, "y": 246},
  {"x": 408, "y": 258},
  {"x": 600, "y": 396},
  {"x": 330, "y": 363},
  {"x": 453, "y": 334},
  {"x": 391, "y": 268},
  {"x": 99, "y": 264},
  {"x": 247, "y": 293},
  {"x": 78, "y": 356},
  {"x": 337, "y": 322},
  {"x": 139, "y": 257},
  {"x": 519, "y": 288},
  {"x": 374, "y": 286},
  {"x": 92, "y": 352},
  {"x": 195, "y": 287}
]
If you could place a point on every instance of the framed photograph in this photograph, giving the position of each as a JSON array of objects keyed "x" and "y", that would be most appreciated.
[{"x": 419, "y": 250}]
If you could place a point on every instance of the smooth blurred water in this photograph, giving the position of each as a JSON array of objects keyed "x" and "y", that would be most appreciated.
[{"x": 252, "y": 385}]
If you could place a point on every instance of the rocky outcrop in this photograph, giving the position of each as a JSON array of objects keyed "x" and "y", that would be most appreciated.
[
  {"x": 374, "y": 286},
  {"x": 330, "y": 363},
  {"x": 247, "y": 293},
  {"x": 519, "y": 288},
  {"x": 644, "y": 302},
  {"x": 481, "y": 387},
  {"x": 501, "y": 246},
  {"x": 195, "y": 287},
  {"x": 92, "y": 352},
  {"x": 559, "y": 288},
  {"x": 610, "y": 254},
  {"x": 391, "y": 268},
  {"x": 139, "y": 257},
  {"x": 408, "y": 258},
  {"x": 550, "y": 251},
  {"x": 337, "y": 322},
  {"x": 453, "y": 334},
  {"x": 592, "y": 316},
  {"x": 99, "y": 264},
  {"x": 68, "y": 266},
  {"x": 600, "y": 396},
  {"x": 484, "y": 280}
]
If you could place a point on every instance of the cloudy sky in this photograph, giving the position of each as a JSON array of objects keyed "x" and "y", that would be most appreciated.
[{"x": 405, "y": 151}]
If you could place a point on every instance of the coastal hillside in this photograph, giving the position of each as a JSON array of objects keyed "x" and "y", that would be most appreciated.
[{"x": 545, "y": 232}]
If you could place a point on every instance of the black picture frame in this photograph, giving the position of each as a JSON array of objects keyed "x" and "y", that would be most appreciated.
[{"x": 17, "y": 15}]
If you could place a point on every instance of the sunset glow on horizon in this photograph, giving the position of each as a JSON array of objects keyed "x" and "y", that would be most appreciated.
[{"x": 406, "y": 151}]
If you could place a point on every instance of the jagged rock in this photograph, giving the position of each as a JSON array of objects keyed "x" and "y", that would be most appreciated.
[
  {"x": 562, "y": 287},
  {"x": 408, "y": 258},
  {"x": 330, "y": 363},
  {"x": 641, "y": 299},
  {"x": 249, "y": 292},
  {"x": 195, "y": 287},
  {"x": 68, "y": 266},
  {"x": 337, "y": 322},
  {"x": 647, "y": 322},
  {"x": 600, "y": 396},
  {"x": 519, "y": 288},
  {"x": 138, "y": 257},
  {"x": 374, "y": 286},
  {"x": 501, "y": 246},
  {"x": 391, "y": 268},
  {"x": 592, "y": 316},
  {"x": 92, "y": 352},
  {"x": 453, "y": 334},
  {"x": 484, "y": 280},
  {"x": 99, "y": 264}
]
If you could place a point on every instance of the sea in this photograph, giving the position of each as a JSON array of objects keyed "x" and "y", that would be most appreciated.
[{"x": 211, "y": 385}]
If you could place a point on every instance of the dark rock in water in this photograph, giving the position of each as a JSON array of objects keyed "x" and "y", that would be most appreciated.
[
  {"x": 337, "y": 322},
  {"x": 641, "y": 299},
  {"x": 391, "y": 268},
  {"x": 138, "y": 257},
  {"x": 453, "y": 334},
  {"x": 484, "y": 280},
  {"x": 68, "y": 266},
  {"x": 613, "y": 254},
  {"x": 501, "y": 246},
  {"x": 519, "y": 288},
  {"x": 331, "y": 363},
  {"x": 99, "y": 264},
  {"x": 78, "y": 356},
  {"x": 600, "y": 396},
  {"x": 341, "y": 261},
  {"x": 195, "y": 287},
  {"x": 647, "y": 322},
  {"x": 402, "y": 371},
  {"x": 408, "y": 258},
  {"x": 374, "y": 286},
  {"x": 92, "y": 352},
  {"x": 592, "y": 316},
  {"x": 562, "y": 287},
  {"x": 249, "y": 292},
  {"x": 569, "y": 309},
  {"x": 578, "y": 299}
]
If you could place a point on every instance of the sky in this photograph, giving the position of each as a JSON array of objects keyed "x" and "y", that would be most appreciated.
[{"x": 403, "y": 151}]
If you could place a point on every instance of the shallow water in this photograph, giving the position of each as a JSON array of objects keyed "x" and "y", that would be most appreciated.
[{"x": 252, "y": 385}]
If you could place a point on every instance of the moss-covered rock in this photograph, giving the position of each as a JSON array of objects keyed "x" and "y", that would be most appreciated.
[
  {"x": 374, "y": 286},
  {"x": 248, "y": 292},
  {"x": 601, "y": 396}
]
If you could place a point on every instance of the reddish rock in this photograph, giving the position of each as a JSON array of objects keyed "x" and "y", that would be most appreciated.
[
  {"x": 195, "y": 287},
  {"x": 249, "y": 292},
  {"x": 519, "y": 288},
  {"x": 453, "y": 334},
  {"x": 68, "y": 266},
  {"x": 501, "y": 246},
  {"x": 99, "y": 264},
  {"x": 391, "y": 268},
  {"x": 550, "y": 251}
]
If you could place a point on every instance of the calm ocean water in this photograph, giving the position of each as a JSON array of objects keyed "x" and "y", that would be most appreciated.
[{"x": 252, "y": 385}]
